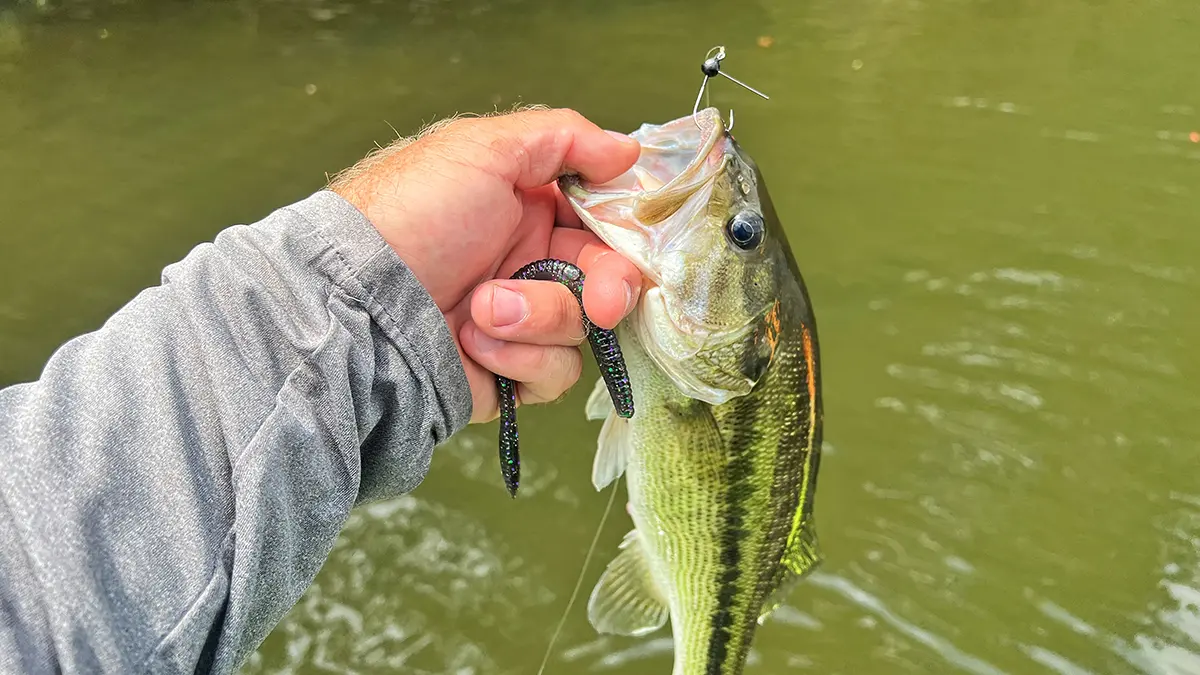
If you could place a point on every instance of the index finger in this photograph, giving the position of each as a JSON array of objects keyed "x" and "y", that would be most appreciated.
[{"x": 534, "y": 147}]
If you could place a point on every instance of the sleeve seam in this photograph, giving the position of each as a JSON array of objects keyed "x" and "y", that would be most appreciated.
[
  {"x": 170, "y": 635},
  {"x": 393, "y": 329}
]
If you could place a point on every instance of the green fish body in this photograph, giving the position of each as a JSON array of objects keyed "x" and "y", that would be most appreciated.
[{"x": 721, "y": 457}]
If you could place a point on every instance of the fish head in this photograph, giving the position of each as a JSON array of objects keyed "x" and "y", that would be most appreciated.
[{"x": 694, "y": 215}]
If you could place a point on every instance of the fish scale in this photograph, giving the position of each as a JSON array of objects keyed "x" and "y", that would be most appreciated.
[{"x": 721, "y": 457}]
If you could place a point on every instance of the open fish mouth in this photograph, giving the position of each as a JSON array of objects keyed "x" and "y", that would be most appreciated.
[
  {"x": 702, "y": 307},
  {"x": 643, "y": 212}
]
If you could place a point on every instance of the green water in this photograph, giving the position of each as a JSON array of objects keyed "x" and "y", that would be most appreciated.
[{"x": 996, "y": 204}]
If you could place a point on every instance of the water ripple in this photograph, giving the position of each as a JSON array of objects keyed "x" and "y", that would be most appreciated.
[{"x": 877, "y": 608}]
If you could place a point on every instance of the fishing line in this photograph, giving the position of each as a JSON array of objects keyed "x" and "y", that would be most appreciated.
[{"x": 587, "y": 559}]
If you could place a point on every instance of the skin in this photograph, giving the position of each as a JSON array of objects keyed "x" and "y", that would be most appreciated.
[{"x": 469, "y": 204}]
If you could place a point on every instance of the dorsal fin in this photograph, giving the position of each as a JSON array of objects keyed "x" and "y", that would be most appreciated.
[{"x": 799, "y": 560}]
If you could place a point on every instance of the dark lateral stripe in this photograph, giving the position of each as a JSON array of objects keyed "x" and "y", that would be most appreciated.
[{"x": 739, "y": 472}]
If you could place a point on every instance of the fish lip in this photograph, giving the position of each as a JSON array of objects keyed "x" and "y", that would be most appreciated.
[
  {"x": 571, "y": 186},
  {"x": 712, "y": 131}
]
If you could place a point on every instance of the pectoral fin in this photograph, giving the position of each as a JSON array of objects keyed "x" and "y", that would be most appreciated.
[
  {"x": 612, "y": 450},
  {"x": 626, "y": 600},
  {"x": 599, "y": 403}
]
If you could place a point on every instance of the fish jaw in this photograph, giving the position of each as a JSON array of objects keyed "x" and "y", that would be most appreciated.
[
  {"x": 637, "y": 213},
  {"x": 704, "y": 300}
]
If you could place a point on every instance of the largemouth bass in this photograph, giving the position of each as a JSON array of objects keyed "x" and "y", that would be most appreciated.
[{"x": 721, "y": 457}]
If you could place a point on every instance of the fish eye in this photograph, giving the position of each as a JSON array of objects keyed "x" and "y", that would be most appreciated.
[{"x": 746, "y": 230}]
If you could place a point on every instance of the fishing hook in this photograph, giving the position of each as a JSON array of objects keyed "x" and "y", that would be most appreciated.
[{"x": 712, "y": 68}]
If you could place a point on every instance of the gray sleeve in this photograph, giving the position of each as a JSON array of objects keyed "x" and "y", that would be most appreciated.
[{"x": 173, "y": 482}]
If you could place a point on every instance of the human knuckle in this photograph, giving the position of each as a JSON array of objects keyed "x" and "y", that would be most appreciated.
[
  {"x": 574, "y": 367},
  {"x": 563, "y": 369},
  {"x": 569, "y": 115},
  {"x": 566, "y": 313},
  {"x": 559, "y": 364}
]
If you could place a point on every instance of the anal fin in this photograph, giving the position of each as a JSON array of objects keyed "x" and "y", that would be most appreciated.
[{"x": 626, "y": 601}]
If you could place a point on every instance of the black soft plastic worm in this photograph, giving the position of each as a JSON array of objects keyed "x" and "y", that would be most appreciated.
[{"x": 604, "y": 347}]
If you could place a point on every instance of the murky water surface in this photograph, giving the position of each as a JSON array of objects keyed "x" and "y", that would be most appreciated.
[{"x": 996, "y": 205}]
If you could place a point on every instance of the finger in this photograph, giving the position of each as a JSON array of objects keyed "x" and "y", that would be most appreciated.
[
  {"x": 567, "y": 244},
  {"x": 565, "y": 215},
  {"x": 533, "y": 147},
  {"x": 613, "y": 284},
  {"x": 581, "y": 247},
  {"x": 545, "y": 373},
  {"x": 611, "y": 288},
  {"x": 533, "y": 312}
]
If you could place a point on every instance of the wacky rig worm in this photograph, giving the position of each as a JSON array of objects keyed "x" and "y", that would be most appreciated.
[{"x": 604, "y": 347}]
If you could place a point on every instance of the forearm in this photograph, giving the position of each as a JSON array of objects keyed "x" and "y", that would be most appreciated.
[{"x": 174, "y": 481}]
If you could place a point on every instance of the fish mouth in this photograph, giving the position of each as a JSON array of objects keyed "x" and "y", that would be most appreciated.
[{"x": 638, "y": 213}]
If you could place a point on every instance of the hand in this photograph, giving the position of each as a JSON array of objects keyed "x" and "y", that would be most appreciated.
[{"x": 469, "y": 203}]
